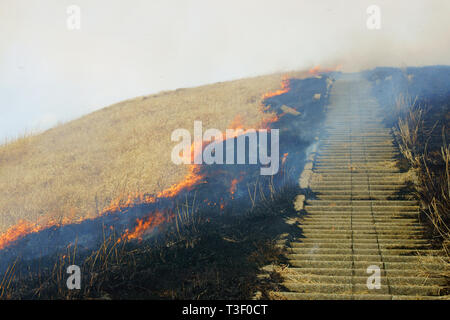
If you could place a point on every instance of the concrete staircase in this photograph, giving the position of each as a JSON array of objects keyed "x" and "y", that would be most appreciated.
[{"x": 359, "y": 217}]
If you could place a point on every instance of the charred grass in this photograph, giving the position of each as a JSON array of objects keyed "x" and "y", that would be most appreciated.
[{"x": 202, "y": 257}]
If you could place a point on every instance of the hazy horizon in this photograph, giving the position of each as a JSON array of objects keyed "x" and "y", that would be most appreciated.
[{"x": 49, "y": 73}]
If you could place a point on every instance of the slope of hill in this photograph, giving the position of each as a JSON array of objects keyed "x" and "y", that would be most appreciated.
[
  {"x": 74, "y": 170},
  {"x": 220, "y": 229}
]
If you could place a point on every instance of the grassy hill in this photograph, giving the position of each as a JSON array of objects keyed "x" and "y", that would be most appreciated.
[{"x": 76, "y": 169}]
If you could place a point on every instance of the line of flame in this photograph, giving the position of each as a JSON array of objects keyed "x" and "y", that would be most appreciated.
[{"x": 23, "y": 227}]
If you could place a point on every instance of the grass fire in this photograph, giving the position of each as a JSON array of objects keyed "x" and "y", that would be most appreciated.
[{"x": 285, "y": 150}]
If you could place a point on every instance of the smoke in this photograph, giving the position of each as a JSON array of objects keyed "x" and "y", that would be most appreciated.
[{"x": 137, "y": 47}]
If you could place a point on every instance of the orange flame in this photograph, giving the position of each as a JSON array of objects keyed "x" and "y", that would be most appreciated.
[
  {"x": 318, "y": 69},
  {"x": 237, "y": 123},
  {"x": 24, "y": 227},
  {"x": 283, "y": 160},
  {"x": 15, "y": 232},
  {"x": 145, "y": 225},
  {"x": 233, "y": 187},
  {"x": 284, "y": 88},
  {"x": 189, "y": 181}
]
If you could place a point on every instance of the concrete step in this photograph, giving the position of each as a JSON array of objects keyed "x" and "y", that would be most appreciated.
[
  {"x": 362, "y": 280},
  {"x": 303, "y": 263},
  {"x": 366, "y": 229},
  {"x": 356, "y": 192},
  {"x": 358, "y": 257},
  {"x": 388, "y": 210},
  {"x": 355, "y": 220},
  {"x": 349, "y": 166},
  {"x": 354, "y": 158},
  {"x": 357, "y": 188},
  {"x": 320, "y": 227},
  {"x": 351, "y": 175},
  {"x": 374, "y": 236},
  {"x": 375, "y": 251},
  {"x": 362, "y": 289},
  {"x": 352, "y": 272},
  {"x": 349, "y": 179},
  {"x": 361, "y": 241},
  {"x": 357, "y": 203},
  {"x": 360, "y": 196}
]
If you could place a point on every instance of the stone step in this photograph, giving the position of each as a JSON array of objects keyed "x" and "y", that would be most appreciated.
[
  {"x": 357, "y": 257},
  {"x": 356, "y": 171},
  {"x": 310, "y": 229},
  {"x": 361, "y": 241},
  {"x": 358, "y": 187},
  {"x": 359, "y": 219},
  {"x": 349, "y": 175},
  {"x": 387, "y": 209},
  {"x": 358, "y": 226},
  {"x": 348, "y": 165},
  {"x": 377, "y": 219},
  {"x": 353, "y": 168},
  {"x": 355, "y": 158},
  {"x": 362, "y": 288},
  {"x": 362, "y": 280},
  {"x": 359, "y": 196},
  {"x": 357, "y": 182},
  {"x": 355, "y": 149},
  {"x": 360, "y": 177},
  {"x": 358, "y": 203},
  {"x": 356, "y": 272},
  {"x": 360, "y": 236},
  {"x": 303, "y": 263},
  {"x": 334, "y": 296},
  {"x": 356, "y": 192},
  {"x": 375, "y": 251}
]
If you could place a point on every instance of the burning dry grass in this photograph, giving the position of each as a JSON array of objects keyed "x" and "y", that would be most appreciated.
[
  {"x": 199, "y": 259},
  {"x": 76, "y": 170}
]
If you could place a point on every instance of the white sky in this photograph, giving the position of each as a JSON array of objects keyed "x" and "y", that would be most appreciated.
[{"x": 135, "y": 47}]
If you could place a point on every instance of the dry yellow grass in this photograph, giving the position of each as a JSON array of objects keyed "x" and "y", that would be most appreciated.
[{"x": 77, "y": 168}]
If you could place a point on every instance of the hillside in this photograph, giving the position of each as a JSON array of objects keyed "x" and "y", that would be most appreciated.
[
  {"x": 75, "y": 170},
  {"x": 205, "y": 238},
  {"x": 343, "y": 200}
]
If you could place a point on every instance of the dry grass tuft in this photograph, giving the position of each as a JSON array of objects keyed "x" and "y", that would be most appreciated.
[{"x": 431, "y": 167}]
